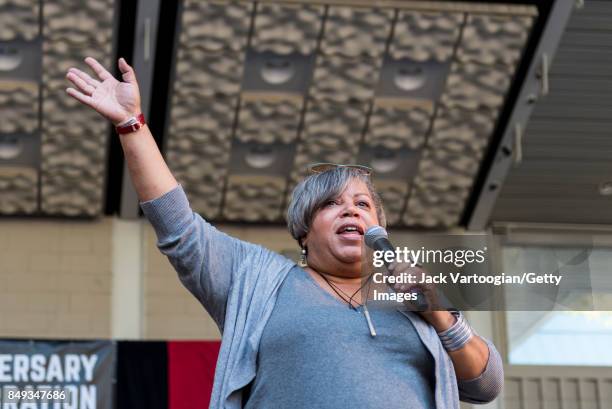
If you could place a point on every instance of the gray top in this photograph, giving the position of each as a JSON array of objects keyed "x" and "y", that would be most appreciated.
[
  {"x": 315, "y": 352},
  {"x": 237, "y": 282}
]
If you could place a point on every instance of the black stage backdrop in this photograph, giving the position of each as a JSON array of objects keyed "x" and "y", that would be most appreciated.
[{"x": 142, "y": 375}]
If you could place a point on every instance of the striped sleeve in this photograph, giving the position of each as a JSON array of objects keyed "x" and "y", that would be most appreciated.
[{"x": 486, "y": 387}]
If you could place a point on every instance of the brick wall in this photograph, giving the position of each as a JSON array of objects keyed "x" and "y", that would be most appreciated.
[
  {"x": 170, "y": 311},
  {"x": 55, "y": 279}
]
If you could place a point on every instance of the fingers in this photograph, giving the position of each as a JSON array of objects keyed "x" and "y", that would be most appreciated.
[
  {"x": 98, "y": 68},
  {"x": 407, "y": 288},
  {"x": 405, "y": 268},
  {"x": 127, "y": 72},
  {"x": 421, "y": 298},
  {"x": 85, "y": 77},
  {"x": 401, "y": 287},
  {"x": 81, "y": 84},
  {"x": 79, "y": 96}
]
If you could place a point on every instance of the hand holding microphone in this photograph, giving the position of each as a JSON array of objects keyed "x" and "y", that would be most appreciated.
[{"x": 376, "y": 238}]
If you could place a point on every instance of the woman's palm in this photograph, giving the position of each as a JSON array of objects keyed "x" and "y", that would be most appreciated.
[{"x": 116, "y": 100}]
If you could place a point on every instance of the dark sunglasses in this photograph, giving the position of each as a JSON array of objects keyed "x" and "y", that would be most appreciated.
[{"x": 317, "y": 168}]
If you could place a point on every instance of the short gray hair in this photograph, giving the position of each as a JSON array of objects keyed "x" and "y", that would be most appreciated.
[{"x": 314, "y": 191}]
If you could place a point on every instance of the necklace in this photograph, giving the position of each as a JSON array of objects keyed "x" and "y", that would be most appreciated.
[
  {"x": 338, "y": 290},
  {"x": 364, "y": 305}
]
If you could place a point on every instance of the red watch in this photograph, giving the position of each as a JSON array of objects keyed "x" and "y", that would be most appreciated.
[{"x": 131, "y": 125}]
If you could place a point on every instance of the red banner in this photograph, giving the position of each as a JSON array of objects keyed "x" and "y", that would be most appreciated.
[{"x": 191, "y": 369}]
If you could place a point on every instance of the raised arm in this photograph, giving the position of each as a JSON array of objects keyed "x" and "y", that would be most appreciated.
[
  {"x": 207, "y": 261},
  {"x": 118, "y": 101}
]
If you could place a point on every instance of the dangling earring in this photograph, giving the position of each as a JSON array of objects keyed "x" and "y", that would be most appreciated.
[{"x": 303, "y": 262}]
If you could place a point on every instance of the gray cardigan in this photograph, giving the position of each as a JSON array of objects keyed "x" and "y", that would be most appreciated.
[{"x": 237, "y": 283}]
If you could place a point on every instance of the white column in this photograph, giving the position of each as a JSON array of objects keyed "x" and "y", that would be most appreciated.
[{"x": 127, "y": 286}]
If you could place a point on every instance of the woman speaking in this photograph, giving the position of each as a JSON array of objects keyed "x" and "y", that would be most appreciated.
[{"x": 297, "y": 336}]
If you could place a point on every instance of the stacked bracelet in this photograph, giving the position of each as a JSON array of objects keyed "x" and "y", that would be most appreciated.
[{"x": 457, "y": 335}]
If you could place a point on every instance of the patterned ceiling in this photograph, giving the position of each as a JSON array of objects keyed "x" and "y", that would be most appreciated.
[
  {"x": 351, "y": 109},
  {"x": 260, "y": 90},
  {"x": 52, "y": 151}
]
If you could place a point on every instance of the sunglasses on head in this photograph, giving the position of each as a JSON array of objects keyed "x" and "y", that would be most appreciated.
[{"x": 317, "y": 168}]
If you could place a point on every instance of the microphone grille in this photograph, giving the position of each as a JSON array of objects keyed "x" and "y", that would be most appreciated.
[{"x": 374, "y": 233}]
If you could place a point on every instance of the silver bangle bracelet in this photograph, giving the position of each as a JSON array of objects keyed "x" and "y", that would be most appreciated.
[{"x": 458, "y": 334}]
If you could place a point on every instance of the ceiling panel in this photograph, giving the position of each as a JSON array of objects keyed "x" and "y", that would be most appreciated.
[
  {"x": 205, "y": 96},
  {"x": 413, "y": 92},
  {"x": 266, "y": 134},
  {"x": 286, "y": 29},
  {"x": 217, "y": 73},
  {"x": 20, "y": 104},
  {"x": 52, "y": 149},
  {"x": 214, "y": 26},
  {"x": 426, "y": 36},
  {"x": 331, "y": 133},
  {"x": 19, "y": 190},
  {"x": 356, "y": 31},
  {"x": 254, "y": 198},
  {"x": 259, "y": 90},
  {"x": 393, "y": 194},
  {"x": 474, "y": 86},
  {"x": 269, "y": 120},
  {"x": 198, "y": 148},
  {"x": 73, "y": 139},
  {"x": 19, "y": 19},
  {"x": 396, "y": 127},
  {"x": 340, "y": 78},
  {"x": 567, "y": 147},
  {"x": 480, "y": 76},
  {"x": 494, "y": 40}
]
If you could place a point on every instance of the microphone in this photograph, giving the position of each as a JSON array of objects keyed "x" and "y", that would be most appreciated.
[{"x": 376, "y": 238}]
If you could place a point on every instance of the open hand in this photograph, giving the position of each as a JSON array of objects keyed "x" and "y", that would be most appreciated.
[{"x": 117, "y": 101}]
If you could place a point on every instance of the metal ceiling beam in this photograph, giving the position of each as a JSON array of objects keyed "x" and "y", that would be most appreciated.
[
  {"x": 143, "y": 59},
  {"x": 535, "y": 86}
]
